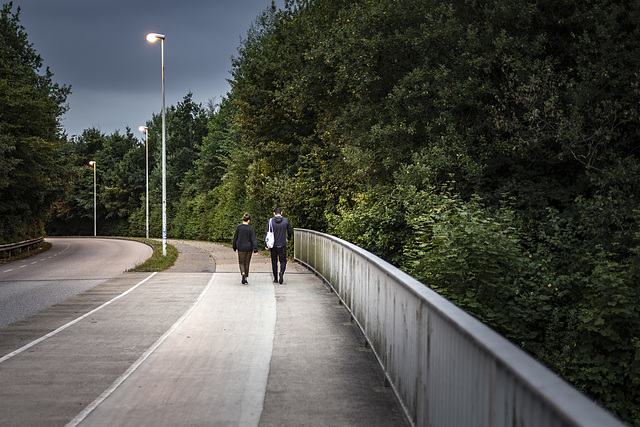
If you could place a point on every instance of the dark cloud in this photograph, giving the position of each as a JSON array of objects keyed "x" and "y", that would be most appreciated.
[{"x": 99, "y": 48}]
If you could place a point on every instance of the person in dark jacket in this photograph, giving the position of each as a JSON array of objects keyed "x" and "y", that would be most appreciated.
[
  {"x": 245, "y": 241},
  {"x": 282, "y": 232}
]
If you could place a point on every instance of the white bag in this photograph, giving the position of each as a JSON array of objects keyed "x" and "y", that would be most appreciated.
[{"x": 270, "y": 239}]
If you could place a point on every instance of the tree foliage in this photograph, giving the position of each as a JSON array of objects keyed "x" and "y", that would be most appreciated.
[
  {"x": 494, "y": 144},
  {"x": 121, "y": 170},
  {"x": 32, "y": 172}
]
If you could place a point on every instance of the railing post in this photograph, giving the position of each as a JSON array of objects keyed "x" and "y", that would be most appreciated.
[{"x": 20, "y": 245}]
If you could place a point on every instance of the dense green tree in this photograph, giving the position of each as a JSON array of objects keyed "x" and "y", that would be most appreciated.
[
  {"x": 74, "y": 215},
  {"x": 194, "y": 217},
  {"x": 120, "y": 173},
  {"x": 209, "y": 167},
  {"x": 363, "y": 111},
  {"x": 186, "y": 126},
  {"x": 33, "y": 172},
  {"x": 280, "y": 88}
]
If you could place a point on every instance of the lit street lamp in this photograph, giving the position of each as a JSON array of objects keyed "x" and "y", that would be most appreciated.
[
  {"x": 146, "y": 144},
  {"x": 152, "y": 37},
  {"x": 93, "y": 163}
]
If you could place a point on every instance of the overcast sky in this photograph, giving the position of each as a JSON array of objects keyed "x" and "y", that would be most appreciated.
[{"x": 99, "y": 48}]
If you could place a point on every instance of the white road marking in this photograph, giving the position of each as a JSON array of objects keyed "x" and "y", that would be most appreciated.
[
  {"x": 82, "y": 415},
  {"x": 40, "y": 260},
  {"x": 63, "y": 327}
]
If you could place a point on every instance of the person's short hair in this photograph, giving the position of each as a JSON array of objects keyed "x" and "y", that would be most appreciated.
[
  {"x": 246, "y": 217},
  {"x": 277, "y": 211}
]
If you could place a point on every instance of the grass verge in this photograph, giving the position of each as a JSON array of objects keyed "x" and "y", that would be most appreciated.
[{"x": 157, "y": 262}]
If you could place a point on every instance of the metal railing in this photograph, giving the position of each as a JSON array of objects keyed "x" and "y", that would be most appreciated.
[
  {"x": 11, "y": 247},
  {"x": 446, "y": 367}
]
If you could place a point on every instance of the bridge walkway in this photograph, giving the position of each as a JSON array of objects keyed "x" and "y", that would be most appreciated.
[{"x": 193, "y": 346}]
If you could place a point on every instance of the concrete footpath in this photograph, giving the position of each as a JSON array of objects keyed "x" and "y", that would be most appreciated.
[{"x": 192, "y": 346}]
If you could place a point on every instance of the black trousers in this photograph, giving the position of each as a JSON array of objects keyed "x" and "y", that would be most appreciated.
[{"x": 278, "y": 253}]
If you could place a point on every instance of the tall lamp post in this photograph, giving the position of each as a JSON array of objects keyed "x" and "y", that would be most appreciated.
[
  {"x": 93, "y": 163},
  {"x": 153, "y": 37},
  {"x": 146, "y": 144}
]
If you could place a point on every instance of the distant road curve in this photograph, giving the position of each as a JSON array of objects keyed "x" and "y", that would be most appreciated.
[{"x": 70, "y": 267}]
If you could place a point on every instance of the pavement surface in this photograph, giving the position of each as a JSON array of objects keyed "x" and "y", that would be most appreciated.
[{"x": 192, "y": 346}]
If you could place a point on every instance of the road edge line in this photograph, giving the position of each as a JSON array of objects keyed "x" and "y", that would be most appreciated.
[
  {"x": 93, "y": 405},
  {"x": 63, "y": 327}
]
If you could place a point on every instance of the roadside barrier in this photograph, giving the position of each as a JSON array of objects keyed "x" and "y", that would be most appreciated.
[
  {"x": 446, "y": 367},
  {"x": 20, "y": 246}
]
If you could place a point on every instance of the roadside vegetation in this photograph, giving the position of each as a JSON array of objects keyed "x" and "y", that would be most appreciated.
[
  {"x": 157, "y": 262},
  {"x": 490, "y": 149},
  {"x": 42, "y": 247}
]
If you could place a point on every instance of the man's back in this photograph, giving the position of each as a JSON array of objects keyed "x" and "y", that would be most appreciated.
[{"x": 282, "y": 230}]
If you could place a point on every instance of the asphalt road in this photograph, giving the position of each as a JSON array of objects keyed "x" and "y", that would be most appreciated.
[{"x": 70, "y": 267}]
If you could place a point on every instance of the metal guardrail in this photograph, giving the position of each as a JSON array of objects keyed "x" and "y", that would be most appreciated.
[
  {"x": 446, "y": 367},
  {"x": 10, "y": 247}
]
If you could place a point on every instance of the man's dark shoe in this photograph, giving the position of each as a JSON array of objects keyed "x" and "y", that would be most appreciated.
[
  {"x": 281, "y": 278},
  {"x": 244, "y": 280}
]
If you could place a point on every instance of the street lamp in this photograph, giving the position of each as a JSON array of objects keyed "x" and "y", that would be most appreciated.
[
  {"x": 93, "y": 163},
  {"x": 146, "y": 144},
  {"x": 152, "y": 37}
]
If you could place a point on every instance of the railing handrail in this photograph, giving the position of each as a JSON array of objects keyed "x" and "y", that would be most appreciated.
[
  {"x": 18, "y": 245},
  {"x": 570, "y": 406}
]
